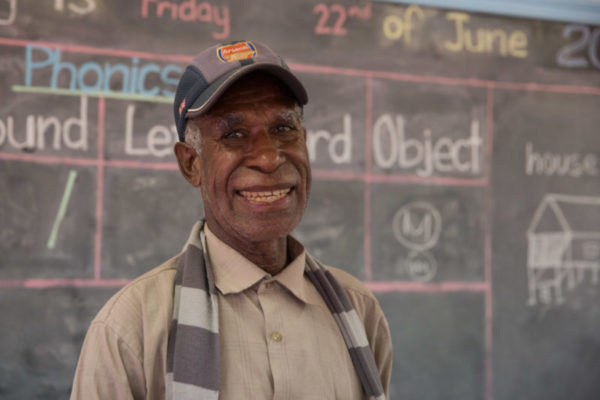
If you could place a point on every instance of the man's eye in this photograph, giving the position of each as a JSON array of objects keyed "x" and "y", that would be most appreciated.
[
  {"x": 284, "y": 128},
  {"x": 233, "y": 135}
]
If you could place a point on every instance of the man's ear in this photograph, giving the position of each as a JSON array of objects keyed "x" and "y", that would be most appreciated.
[{"x": 189, "y": 162}]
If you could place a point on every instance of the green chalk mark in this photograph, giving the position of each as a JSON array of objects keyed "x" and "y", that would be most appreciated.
[
  {"x": 108, "y": 95},
  {"x": 62, "y": 209}
]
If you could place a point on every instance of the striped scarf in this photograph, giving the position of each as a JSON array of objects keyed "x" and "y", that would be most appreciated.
[{"x": 193, "y": 346}]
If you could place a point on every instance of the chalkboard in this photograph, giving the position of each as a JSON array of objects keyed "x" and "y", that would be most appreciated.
[{"x": 455, "y": 162}]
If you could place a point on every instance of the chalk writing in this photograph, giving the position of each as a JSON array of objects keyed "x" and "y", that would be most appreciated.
[
  {"x": 190, "y": 11},
  {"x": 583, "y": 50},
  {"x": 159, "y": 139},
  {"x": 94, "y": 76},
  {"x": 490, "y": 41},
  {"x": 11, "y": 14},
  {"x": 559, "y": 164},
  {"x": 429, "y": 155},
  {"x": 396, "y": 27},
  {"x": 562, "y": 246},
  {"x": 420, "y": 266},
  {"x": 72, "y": 133},
  {"x": 339, "y": 14},
  {"x": 417, "y": 225},
  {"x": 339, "y": 145},
  {"x": 62, "y": 209},
  {"x": 144, "y": 183},
  {"x": 74, "y": 7}
]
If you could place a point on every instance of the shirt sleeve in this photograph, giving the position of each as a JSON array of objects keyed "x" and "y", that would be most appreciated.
[
  {"x": 107, "y": 368},
  {"x": 378, "y": 334},
  {"x": 380, "y": 339}
]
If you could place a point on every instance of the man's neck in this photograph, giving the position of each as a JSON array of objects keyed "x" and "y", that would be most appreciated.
[{"x": 271, "y": 256}]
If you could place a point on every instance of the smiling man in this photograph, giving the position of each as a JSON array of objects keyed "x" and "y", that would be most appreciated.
[
  {"x": 251, "y": 164},
  {"x": 244, "y": 312}
]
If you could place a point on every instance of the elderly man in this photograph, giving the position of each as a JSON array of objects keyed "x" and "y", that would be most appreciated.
[{"x": 244, "y": 312}]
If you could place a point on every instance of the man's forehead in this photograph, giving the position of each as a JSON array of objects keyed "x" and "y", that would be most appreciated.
[{"x": 234, "y": 117}]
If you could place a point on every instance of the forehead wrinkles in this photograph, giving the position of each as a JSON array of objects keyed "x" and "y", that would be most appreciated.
[{"x": 229, "y": 121}]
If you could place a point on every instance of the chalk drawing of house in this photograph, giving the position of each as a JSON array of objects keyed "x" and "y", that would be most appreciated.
[{"x": 563, "y": 244}]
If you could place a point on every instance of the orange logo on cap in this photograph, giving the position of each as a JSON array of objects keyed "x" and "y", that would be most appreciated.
[
  {"x": 181, "y": 106},
  {"x": 236, "y": 51}
]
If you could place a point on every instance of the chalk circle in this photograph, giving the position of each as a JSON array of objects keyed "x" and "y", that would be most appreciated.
[
  {"x": 417, "y": 238},
  {"x": 420, "y": 266}
]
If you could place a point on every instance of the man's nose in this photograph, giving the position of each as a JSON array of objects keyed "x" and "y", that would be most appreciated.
[{"x": 265, "y": 154}]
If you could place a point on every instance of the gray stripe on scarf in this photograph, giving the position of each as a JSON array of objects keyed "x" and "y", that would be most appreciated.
[
  {"x": 193, "y": 277},
  {"x": 193, "y": 344},
  {"x": 368, "y": 372}
]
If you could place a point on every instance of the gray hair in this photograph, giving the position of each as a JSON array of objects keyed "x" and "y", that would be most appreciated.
[{"x": 193, "y": 136}]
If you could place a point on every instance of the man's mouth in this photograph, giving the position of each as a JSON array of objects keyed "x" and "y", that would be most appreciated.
[{"x": 267, "y": 196}]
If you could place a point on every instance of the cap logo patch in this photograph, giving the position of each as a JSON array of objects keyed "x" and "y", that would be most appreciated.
[
  {"x": 236, "y": 51},
  {"x": 181, "y": 107}
]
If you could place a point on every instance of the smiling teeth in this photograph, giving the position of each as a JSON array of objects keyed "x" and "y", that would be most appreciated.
[{"x": 265, "y": 197}]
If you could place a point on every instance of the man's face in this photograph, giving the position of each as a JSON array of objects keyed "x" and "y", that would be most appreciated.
[{"x": 255, "y": 173}]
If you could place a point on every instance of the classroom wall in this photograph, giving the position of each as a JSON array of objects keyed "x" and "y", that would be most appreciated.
[{"x": 455, "y": 164}]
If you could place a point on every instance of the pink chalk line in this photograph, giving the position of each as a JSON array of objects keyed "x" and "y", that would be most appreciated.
[
  {"x": 73, "y": 48},
  {"x": 100, "y": 189},
  {"x": 402, "y": 286},
  {"x": 56, "y": 283},
  {"x": 429, "y": 180},
  {"x": 88, "y": 162},
  {"x": 321, "y": 69},
  {"x": 168, "y": 166},
  {"x": 443, "y": 80},
  {"x": 367, "y": 193},
  {"x": 172, "y": 166},
  {"x": 42, "y": 159},
  {"x": 489, "y": 339}
]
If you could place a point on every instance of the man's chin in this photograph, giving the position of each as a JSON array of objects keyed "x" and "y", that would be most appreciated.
[{"x": 263, "y": 228}]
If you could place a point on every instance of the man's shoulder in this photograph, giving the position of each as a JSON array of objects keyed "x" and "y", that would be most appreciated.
[
  {"x": 150, "y": 292},
  {"x": 353, "y": 286},
  {"x": 130, "y": 333},
  {"x": 370, "y": 313}
]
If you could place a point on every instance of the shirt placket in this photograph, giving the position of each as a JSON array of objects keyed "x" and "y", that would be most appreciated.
[{"x": 270, "y": 301}]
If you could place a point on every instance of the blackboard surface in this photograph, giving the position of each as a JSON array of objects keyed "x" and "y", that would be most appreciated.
[{"x": 455, "y": 162}]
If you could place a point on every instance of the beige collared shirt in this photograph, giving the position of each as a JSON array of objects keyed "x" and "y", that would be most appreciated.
[{"x": 278, "y": 339}]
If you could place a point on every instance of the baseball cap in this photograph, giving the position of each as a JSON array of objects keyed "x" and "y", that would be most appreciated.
[{"x": 218, "y": 67}]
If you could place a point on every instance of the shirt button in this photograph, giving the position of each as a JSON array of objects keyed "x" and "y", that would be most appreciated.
[
  {"x": 276, "y": 337},
  {"x": 268, "y": 285}
]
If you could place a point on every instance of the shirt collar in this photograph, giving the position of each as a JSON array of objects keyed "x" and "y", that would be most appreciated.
[
  {"x": 292, "y": 276},
  {"x": 234, "y": 273}
]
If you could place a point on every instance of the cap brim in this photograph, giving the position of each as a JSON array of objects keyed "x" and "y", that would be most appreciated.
[{"x": 212, "y": 93}]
